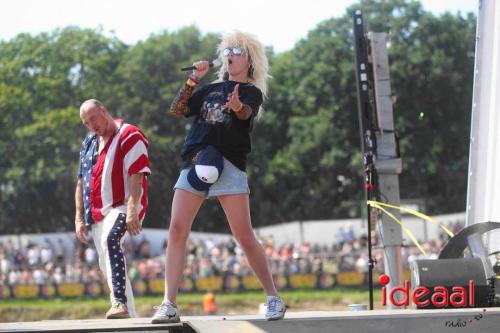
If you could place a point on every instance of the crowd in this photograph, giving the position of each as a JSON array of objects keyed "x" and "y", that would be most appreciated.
[{"x": 54, "y": 262}]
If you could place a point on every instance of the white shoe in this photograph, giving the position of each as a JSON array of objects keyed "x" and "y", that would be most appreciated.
[
  {"x": 275, "y": 308},
  {"x": 166, "y": 312}
]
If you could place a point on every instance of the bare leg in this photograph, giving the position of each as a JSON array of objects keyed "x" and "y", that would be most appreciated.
[
  {"x": 237, "y": 211},
  {"x": 185, "y": 206}
]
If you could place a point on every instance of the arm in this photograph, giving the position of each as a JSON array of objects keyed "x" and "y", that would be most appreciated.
[
  {"x": 135, "y": 186},
  {"x": 244, "y": 112},
  {"x": 179, "y": 105},
  {"x": 80, "y": 228},
  {"x": 241, "y": 110}
]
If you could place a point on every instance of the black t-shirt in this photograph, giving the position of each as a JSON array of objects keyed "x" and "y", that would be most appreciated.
[{"x": 220, "y": 127}]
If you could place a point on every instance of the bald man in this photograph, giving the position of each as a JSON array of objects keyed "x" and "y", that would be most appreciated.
[{"x": 111, "y": 196}]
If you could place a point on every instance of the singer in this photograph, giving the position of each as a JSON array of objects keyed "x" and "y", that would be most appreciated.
[{"x": 214, "y": 161}]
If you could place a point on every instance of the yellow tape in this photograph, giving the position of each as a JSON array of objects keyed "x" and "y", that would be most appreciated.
[
  {"x": 408, "y": 231},
  {"x": 380, "y": 205},
  {"x": 413, "y": 212}
]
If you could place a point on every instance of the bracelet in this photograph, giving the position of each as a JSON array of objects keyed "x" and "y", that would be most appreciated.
[
  {"x": 192, "y": 80},
  {"x": 239, "y": 109}
]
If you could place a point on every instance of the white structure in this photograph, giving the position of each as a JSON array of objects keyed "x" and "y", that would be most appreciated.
[
  {"x": 322, "y": 232},
  {"x": 483, "y": 194}
]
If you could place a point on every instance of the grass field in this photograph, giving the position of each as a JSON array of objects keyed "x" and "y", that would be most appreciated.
[{"x": 190, "y": 304}]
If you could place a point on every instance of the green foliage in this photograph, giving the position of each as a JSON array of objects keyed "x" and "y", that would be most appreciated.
[
  {"x": 306, "y": 161},
  {"x": 43, "y": 79}
]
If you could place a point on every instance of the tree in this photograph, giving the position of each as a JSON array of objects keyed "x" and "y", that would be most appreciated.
[
  {"x": 306, "y": 160},
  {"x": 42, "y": 81},
  {"x": 317, "y": 164},
  {"x": 149, "y": 79}
]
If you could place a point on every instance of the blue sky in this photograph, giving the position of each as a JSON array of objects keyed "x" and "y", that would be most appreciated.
[{"x": 277, "y": 23}]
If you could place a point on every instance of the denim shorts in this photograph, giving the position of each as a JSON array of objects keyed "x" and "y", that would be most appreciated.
[{"x": 231, "y": 181}]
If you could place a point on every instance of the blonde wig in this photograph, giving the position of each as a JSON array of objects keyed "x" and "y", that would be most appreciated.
[{"x": 254, "y": 51}]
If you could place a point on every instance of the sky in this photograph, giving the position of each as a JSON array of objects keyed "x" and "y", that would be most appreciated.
[{"x": 277, "y": 23}]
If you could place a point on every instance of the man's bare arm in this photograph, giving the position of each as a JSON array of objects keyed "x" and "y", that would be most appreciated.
[
  {"x": 135, "y": 186},
  {"x": 80, "y": 228}
]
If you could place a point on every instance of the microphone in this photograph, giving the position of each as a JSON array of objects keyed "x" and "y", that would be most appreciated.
[{"x": 213, "y": 63}]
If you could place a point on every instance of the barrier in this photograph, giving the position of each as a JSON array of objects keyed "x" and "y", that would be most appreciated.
[{"x": 228, "y": 283}]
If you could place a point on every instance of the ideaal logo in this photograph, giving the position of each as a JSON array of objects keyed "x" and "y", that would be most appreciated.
[
  {"x": 439, "y": 298},
  {"x": 423, "y": 296}
]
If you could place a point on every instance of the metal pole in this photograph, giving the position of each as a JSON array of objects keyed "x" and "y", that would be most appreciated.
[
  {"x": 371, "y": 263},
  {"x": 366, "y": 121},
  {"x": 381, "y": 160}
]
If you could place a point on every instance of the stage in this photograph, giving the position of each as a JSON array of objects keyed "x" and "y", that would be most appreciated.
[{"x": 415, "y": 321}]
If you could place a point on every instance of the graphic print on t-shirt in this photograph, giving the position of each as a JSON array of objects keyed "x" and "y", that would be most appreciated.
[{"x": 212, "y": 110}]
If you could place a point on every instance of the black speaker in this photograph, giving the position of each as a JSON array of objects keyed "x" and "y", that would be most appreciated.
[{"x": 451, "y": 273}]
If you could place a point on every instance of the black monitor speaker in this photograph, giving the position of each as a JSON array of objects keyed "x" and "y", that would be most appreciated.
[{"x": 450, "y": 273}]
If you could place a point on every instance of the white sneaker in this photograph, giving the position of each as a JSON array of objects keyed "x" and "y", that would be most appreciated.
[
  {"x": 166, "y": 313},
  {"x": 275, "y": 308}
]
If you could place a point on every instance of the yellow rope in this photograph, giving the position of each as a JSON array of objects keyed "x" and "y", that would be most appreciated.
[
  {"x": 405, "y": 229},
  {"x": 411, "y": 211}
]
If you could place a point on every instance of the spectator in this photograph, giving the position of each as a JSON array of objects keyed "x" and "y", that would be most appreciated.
[
  {"x": 90, "y": 254},
  {"x": 60, "y": 252}
]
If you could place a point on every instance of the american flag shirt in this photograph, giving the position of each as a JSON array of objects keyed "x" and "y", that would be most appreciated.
[{"x": 106, "y": 175}]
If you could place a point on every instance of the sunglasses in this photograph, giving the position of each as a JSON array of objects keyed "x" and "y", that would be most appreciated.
[{"x": 232, "y": 50}]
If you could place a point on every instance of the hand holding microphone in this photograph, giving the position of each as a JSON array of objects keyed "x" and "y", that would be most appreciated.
[{"x": 200, "y": 68}]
